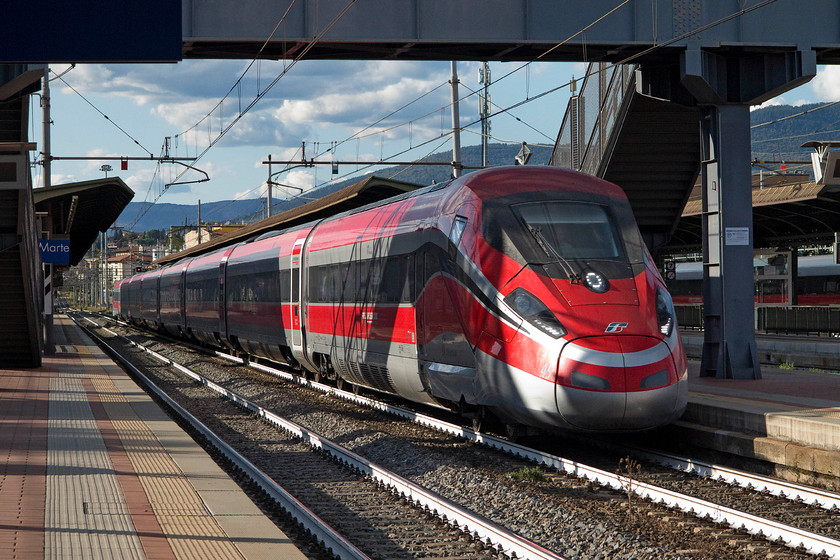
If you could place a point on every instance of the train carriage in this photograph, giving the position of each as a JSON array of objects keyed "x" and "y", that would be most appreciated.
[
  {"x": 149, "y": 298},
  {"x": 360, "y": 298},
  {"x": 259, "y": 296},
  {"x": 116, "y": 297},
  {"x": 130, "y": 298},
  {"x": 204, "y": 314},
  {"x": 171, "y": 286}
]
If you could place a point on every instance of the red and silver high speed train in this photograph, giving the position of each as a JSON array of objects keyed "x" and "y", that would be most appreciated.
[{"x": 523, "y": 292}]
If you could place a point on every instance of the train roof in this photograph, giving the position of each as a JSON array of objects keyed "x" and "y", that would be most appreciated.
[
  {"x": 371, "y": 190},
  {"x": 497, "y": 182}
]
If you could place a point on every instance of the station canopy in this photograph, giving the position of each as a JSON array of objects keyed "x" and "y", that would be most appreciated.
[
  {"x": 788, "y": 210},
  {"x": 80, "y": 211},
  {"x": 371, "y": 190}
]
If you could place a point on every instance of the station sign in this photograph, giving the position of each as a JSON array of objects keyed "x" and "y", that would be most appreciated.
[{"x": 54, "y": 251}]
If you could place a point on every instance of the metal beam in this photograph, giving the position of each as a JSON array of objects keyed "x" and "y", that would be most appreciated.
[
  {"x": 596, "y": 30},
  {"x": 726, "y": 87}
]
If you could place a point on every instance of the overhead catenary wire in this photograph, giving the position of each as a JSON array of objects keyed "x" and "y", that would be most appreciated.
[
  {"x": 309, "y": 46},
  {"x": 106, "y": 117},
  {"x": 261, "y": 93}
]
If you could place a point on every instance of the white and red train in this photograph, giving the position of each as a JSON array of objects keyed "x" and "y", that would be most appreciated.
[{"x": 525, "y": 292}]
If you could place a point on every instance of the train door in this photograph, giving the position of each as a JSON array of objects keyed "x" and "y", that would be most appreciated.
[
  {"x": 223, "y": 330},
  {"x": 295, "y": 307},
  {"x": 182, "y": 304}
]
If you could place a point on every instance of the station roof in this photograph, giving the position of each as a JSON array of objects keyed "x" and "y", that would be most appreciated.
[
  {"x": 787, "y": 210},
  {"x": 373, "y": 189},
  {"x": 79, "y": 211}
]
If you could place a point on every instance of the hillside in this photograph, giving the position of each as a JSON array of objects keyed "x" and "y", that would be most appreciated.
[
  {"x": 779, "y": 141},
  {"x": 782, "y": 141}
]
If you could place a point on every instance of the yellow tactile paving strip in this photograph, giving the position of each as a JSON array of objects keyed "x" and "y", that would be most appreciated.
[
  {"x": 200, "y": 510},
  {"x": 191, "y": 530},
  {"x": 86, "y": 515}
]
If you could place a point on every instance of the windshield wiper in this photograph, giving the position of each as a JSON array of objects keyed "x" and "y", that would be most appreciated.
[{"x": 573, "y": 276}]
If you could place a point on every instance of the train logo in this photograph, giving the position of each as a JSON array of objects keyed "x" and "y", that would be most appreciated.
[{"x": 485, "y": 295}]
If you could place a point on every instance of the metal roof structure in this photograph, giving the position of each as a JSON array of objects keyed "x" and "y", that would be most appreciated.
[
  {"x": 373, "y": 189},
  {"x": 787, "y": 210},
  {"x": 81, "y": 210}
]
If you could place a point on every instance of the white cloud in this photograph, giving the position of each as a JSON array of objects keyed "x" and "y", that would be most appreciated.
[
  {"x": 826, "y": 84},
  {"x": 778, "y": 100},
  {"x": 317, "y": 102}
]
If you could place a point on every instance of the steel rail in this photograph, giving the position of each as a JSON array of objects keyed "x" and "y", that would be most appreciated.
[
  {"x": 473, "y": 524},
  {"x": 771, "y": 530},
  {"x": 814, "y": 496},
  {"x": 329, "y": 537}
]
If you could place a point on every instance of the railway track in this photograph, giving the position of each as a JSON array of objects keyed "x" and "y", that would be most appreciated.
[
  {"x": 542, "y": 504},
  {"x": 363, "y": 511}
]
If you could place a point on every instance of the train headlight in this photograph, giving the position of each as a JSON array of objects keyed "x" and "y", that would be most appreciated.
[
  {"x": 587, "y": 381},
  {"x": 535, "y": 312},
  {"x": 658, "y": 379},
  {"x": 596, "y": 282},
  {"x": 666, "y": 317}
]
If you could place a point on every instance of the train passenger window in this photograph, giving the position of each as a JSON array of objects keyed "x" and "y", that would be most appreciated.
[
  {"x": 375, "y": 287},
  {"x": 334, "y": 274},
  {"x": 363, "y": 278},
  {"x": 315, "y": 280},
  {"x": 407, "y": 295},
  {"x": 284, "y": 284},
  {"x": 323, "y": 284},
  {"x": 348, "y": 279},
  {"x": 393, "y": 278}
]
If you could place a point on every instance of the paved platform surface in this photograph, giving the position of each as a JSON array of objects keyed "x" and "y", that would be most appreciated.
[
  {"x": 790, "y": 416},
  {"x": 91, "y": 467}
]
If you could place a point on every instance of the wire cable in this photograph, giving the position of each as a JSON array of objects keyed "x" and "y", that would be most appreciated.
[
  {"x": 826, "y": 106},
  {"x": 517, "y": 119},
  {"x": 236, "y": 85},
  {"x": 106, "y": 117},
  {"x": 309, "y": 46}
]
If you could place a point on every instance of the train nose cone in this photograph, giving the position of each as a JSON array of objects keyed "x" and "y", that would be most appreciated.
[{"x": 617, "y": 383}]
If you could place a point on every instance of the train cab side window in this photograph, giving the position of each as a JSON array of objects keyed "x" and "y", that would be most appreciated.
[{"x": 459, "y": 224}]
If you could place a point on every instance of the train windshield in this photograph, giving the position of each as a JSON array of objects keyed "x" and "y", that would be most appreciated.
[{"x": 572, "y": 230}]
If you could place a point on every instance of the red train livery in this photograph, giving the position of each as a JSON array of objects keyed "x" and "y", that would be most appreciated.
[{"x": 522, "y": 292}]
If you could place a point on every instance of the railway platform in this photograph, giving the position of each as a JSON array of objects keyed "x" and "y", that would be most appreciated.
[
  {"x": 789, "y": 417},
  {"x": 91, "y": 467}
]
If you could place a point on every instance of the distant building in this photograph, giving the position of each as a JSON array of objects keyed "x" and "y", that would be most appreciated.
[
  {"x": 208, "y": 232},
  {"x": 124, "y": 265}
]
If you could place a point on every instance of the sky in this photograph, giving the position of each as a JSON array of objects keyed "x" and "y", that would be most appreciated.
[
  {"x": 343, "y": 110},
  {"x": 356, "y": 110}
]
